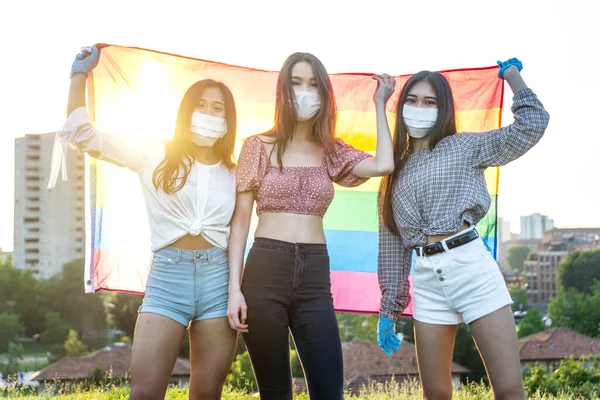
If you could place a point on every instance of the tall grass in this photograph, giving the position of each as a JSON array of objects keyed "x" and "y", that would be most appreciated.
[{"x": 388, "y": 391}]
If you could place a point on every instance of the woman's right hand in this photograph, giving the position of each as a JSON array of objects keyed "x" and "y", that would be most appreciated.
[
  {"x": 86, "y": 60},
  {"x": 237, "y": 311},
  {"x": 386, "y": 84}
]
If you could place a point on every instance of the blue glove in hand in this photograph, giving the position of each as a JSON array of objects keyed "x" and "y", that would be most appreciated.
[
  {"x": 86, "y": 60},
  {"x": 508, "y": 63},
  {"x": 386, "y": 335}
]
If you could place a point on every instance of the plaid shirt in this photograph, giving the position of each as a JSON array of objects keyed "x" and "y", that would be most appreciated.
[{"x": 439, "y": 189}]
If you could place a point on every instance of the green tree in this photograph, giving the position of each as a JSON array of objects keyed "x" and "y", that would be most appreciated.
[
  {"x": 20, "y": 295},
  {"x": 15, "y": 354},
  {"x": 579, "y": 270},
  {"x": 537, "y": 378},
  {"x": 297, "y": 371},
  {"x": 577, "y": 311},
  {"x": 518, "y": 295},
  {"x": 467, "y": 355},
  {"x": 65, "y": 294},
  {"x": 73, "y": 346},
  {"x": 125, "y": 311},
  {"x": 56, "y": 329},
  {"x": 573, "y": 377},
  {"x": 10, "y": 327},
  {"x": 357, "y": 326},
  {"x": 57, "y": 351},
  {"x": 531, "y": 323},
  {"x": 406, "y": 326},
  {"x": 516, "y": 256},
  {"x": 241, "y": 375}
]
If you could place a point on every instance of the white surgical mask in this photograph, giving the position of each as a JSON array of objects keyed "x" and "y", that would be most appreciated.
[
  {"x": 206, "y": 129},
  {"x": 419, "y": 121},
  {"x": 307, "y": 105}
]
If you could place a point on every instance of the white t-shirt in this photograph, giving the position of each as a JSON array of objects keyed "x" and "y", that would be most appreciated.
[{"x": 203, "y": 206}]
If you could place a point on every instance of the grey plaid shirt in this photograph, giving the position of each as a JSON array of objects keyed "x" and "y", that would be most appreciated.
[{"x": 438, "y": 190}]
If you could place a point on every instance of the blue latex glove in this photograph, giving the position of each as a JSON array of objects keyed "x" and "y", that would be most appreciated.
[
  {"x": 386, "y": 335},
  {"x": 506, "y": 64},
  {"x": 86, "y": 60}
]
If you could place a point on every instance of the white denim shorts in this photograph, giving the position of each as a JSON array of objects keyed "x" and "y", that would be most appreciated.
[{"x": 460, "y": 284}]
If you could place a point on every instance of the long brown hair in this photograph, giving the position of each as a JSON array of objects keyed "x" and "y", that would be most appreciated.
[
  {"x": 444, "y": 126},
  {"x": 322, "y": 125},
  {"x": 167, "y": 174}
]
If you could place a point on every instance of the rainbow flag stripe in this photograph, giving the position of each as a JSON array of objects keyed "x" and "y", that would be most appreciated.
[{"x": 136, "y": 92}]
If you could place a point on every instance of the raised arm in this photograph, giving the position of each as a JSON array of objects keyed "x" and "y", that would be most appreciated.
[
  {"x": 80, "y": 133},
  {"x": 76, "y": 92},
  {"x": 383, "y": 162},
  {"x": 501, "y": 146}
]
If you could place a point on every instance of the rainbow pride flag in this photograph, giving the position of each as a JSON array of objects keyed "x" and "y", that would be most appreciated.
[{"x": 137, "y": 92}]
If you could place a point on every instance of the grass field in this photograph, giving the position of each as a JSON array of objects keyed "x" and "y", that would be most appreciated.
[{"x": 392, "y": 391}]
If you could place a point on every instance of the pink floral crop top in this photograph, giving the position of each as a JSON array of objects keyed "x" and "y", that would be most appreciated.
[{"x": 296, "y": 190}]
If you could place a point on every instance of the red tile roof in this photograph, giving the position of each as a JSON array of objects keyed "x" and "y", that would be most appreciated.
[
  {"x": 555, "y": 344},
  {"x": 367, "y": 359},
  {"x": 115, "y": 359}
]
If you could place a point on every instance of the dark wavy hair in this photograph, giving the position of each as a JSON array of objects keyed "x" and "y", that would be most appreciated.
[
  {"x": 444, "y": 126},
  {"x": 167, "y": 174}
]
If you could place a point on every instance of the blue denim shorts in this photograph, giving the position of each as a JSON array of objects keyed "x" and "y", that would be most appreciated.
[{"x": 187, "y": 285}]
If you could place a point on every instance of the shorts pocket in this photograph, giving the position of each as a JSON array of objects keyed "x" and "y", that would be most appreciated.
[
  {"x": 468, "y": 253},
  {"x": 163, "y": 259}
]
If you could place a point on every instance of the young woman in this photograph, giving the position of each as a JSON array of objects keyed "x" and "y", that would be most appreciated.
[
  {"x": 431, "y": 203},
  {"x": 188, "y": 185},
  {"x": 290, "y": 171}
]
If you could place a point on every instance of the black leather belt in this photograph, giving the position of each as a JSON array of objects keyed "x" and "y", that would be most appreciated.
[{"x": 437, "y": 247}]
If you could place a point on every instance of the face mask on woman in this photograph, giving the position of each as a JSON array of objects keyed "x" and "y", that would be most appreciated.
[
  {"x": 307, "y": 105},
  {"x": 206, "y": 129},
  {"x": 419, "y": 121}
]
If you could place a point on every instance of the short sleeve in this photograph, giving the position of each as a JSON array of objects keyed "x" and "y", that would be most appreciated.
[
  {"x": 341, "y": 161},
  {"x": 252, "y": 165}
]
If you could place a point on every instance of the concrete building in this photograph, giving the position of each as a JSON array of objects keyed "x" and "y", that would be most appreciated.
[
  {"x": 504, "y": 234},
  {"x": 533, "y": 226},
  {"x": 541, "y": 275},
  {"x": 572, "y": 239},
  {"x": 49, "y": 224},
  {"x": 541, "y": 269},
  {"x": 503, "y": 248}
]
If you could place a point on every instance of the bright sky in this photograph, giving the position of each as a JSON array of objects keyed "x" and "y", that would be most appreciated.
[{"x": 554, "y": 40}]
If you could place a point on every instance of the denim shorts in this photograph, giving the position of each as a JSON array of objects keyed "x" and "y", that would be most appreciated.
[
  {"x": 460, "y": 284},
  {"x": 187, "y": 285}
]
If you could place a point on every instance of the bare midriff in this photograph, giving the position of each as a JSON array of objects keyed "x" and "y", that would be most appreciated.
[
  {"x": 190, "y": 242},
  {"x": 292, "y": 228},
  {"x": 436, "y": 238}
]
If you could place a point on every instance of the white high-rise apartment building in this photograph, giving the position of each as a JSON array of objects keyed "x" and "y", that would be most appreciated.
[
  {"x": 533, "y": 226},
  {"x": 503, "y": 234},
  {"x": 49, "y": 226}
]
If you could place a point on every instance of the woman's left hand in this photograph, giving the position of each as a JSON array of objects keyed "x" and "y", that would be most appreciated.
[
  {"x": 505, "y": 65},
  {"x": 386, "y": 85}
]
